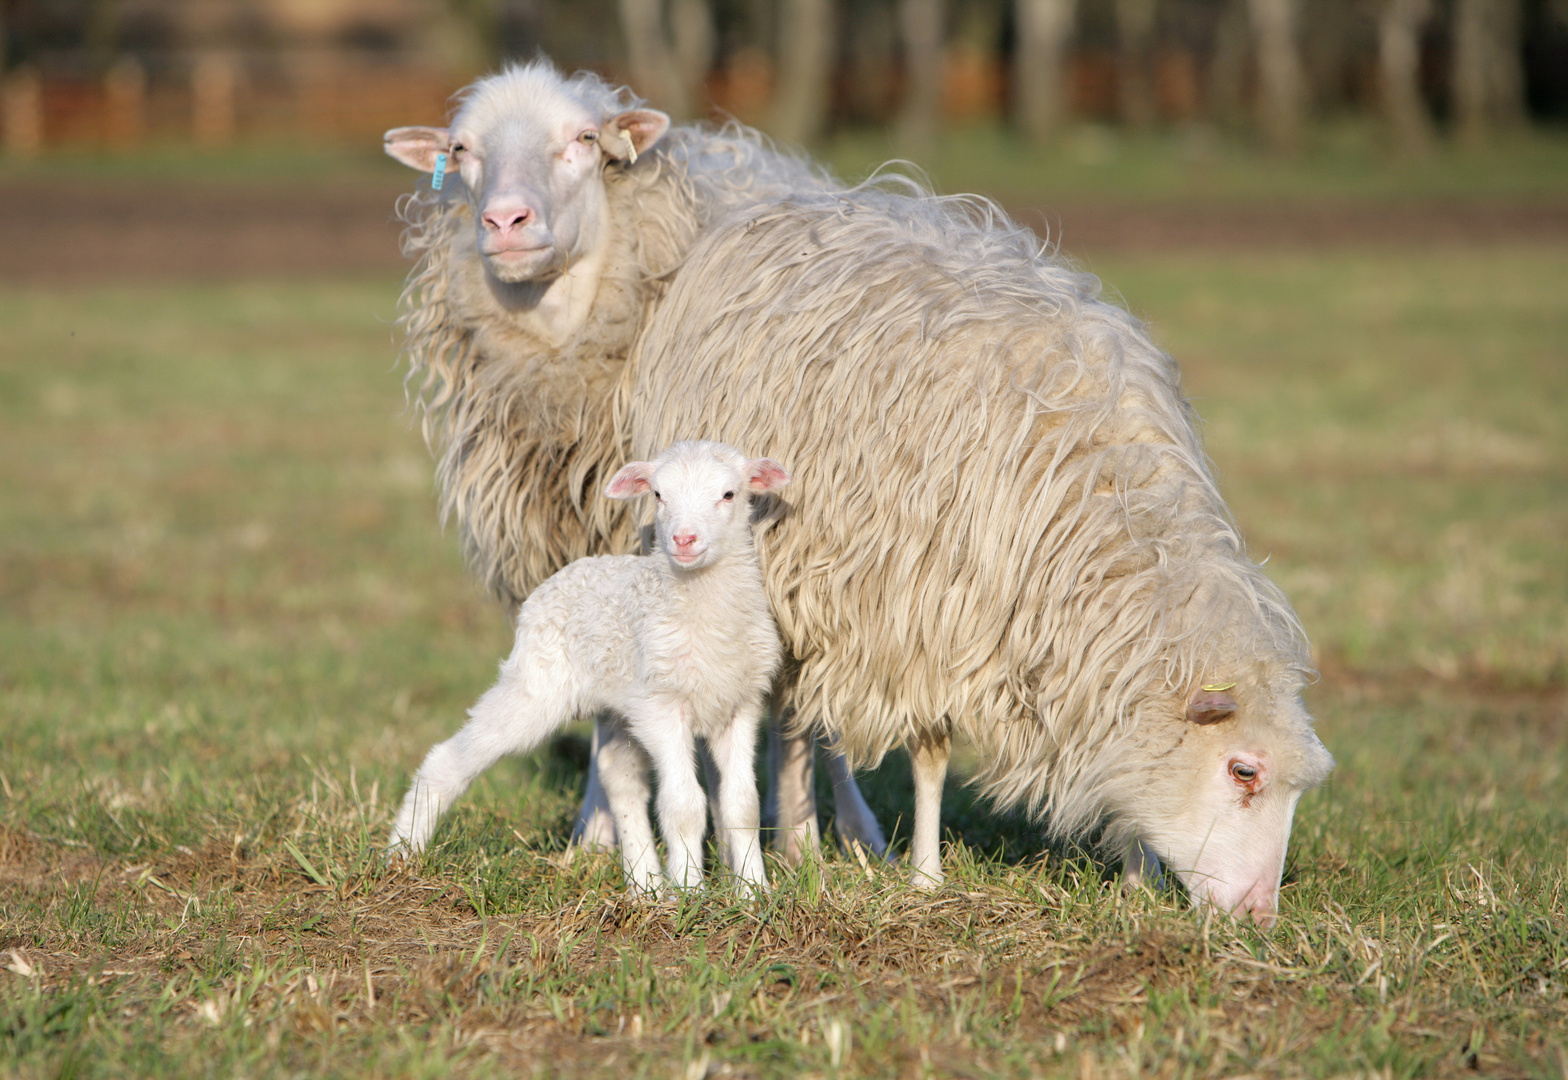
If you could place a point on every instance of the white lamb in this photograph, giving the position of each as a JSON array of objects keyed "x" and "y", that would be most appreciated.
[{"x": 675, "y": 646}]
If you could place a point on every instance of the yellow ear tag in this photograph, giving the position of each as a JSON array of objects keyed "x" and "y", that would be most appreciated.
[{"x": 1213, "y": 687}]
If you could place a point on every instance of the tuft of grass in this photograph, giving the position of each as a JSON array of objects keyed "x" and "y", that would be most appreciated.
[
  {"x": 1346, "y": 160},
  {"x": 229, "y": 627}
]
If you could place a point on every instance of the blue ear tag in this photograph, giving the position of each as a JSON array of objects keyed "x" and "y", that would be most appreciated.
[{"x": 439, "y": 176}]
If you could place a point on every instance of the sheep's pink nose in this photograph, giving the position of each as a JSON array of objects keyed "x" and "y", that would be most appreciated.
[
  {"x": 1261, "y": 904},
  {"x": 684, "y": 540},
  {"x": 504, "y": 217}
]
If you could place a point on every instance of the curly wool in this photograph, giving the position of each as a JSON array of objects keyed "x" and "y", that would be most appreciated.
[
  {"x": 1002, "y": 518},
  {"x": 526, "y": 431}
]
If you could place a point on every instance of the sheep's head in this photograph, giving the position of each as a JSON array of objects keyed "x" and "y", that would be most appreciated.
[
  {"x": 703, "y": 492},
  {"x": 530, "y": 148},
  {"x": 1216, "y": 807}
]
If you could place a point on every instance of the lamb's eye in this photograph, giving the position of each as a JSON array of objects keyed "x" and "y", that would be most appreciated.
[
  {"x": 1243, "y": 773},
  {"x": 729, "y": 495},
  {"x": 656, "y": 495},
  {"x": 458, "y": 149},
  {"x": 588, "y": 137}
]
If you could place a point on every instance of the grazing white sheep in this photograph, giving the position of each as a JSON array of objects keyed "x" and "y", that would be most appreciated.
[
  {"x": 1005, "y": 528},
  {"x": 1010, "y": 530},
  {"x": 674, "y": 647},
  {"x": 564, "y": 212}
]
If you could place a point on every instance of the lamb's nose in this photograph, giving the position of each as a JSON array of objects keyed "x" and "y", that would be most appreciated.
[
  {"x": 684, "y": 540},
  {"x": 505, "y": 217}
]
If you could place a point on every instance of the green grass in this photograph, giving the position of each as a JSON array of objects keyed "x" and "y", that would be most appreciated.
[
  {"x": 1347, "y": 159},
  {"x": 1344, "y": 160},
  {"x": 229, "y": 627}
]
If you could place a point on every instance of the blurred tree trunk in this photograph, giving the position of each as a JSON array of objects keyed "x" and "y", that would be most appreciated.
[
  {"x": 125, "y": 100},
  {"x": 22, "y": 103},
  {"x": 695, "y": 41},
  {"x": 1488, "y": 73},
  {"x": 1039, "y": 75},
  {"x": 1227, "y": 80},
  {"x": 1399, "y": 25},
  {"x": 669, "y": 70},
  {"x": 805, "y": 65},
  {"x": 1135, "y": 61},
  {"x": 920, "y": 26},
  {"x": 1280, "y": 86}
]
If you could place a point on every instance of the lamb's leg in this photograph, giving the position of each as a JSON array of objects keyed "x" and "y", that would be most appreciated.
[
  {"x": 515, "y": 715},
  {"x": 710, "y": 784},
  {"x": 852, "y": 818},
  {"x": 928, "y": 754},
  {"x": 792, "y": 797},
  {"x": 623, "y": 770},
  {"x": 733, "y": 752},
  {"x": 595, "y": 828},
  {"x": 683, "y": 809}
]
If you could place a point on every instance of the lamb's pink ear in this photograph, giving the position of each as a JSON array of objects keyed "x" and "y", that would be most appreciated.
[
  {"x": 1210, "y": 707},
  {"x": 765, "y": 474},
  {"x": 634, "y": 479},
  {"x": 417, "y": 147},
  {"x": 629, "y": 135}
]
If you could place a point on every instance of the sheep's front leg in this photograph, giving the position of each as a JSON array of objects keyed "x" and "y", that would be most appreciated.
[
  {"x": 928, "y": 754},
  {"x": 662, "y": 729},
  {"x": 736, "y": 810},
  {"x": 792, "y": 797},
  {"x": 595, "y": 827},
  {"x": 852, "y": 818},
  {"x": 623, "y": 770},
  {"x": 1141, "y": 866}
]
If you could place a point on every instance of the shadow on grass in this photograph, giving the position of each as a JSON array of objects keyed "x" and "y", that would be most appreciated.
[{"x": 543, "y": 791}]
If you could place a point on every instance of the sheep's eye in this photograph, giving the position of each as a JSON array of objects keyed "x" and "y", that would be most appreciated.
[
  {"x": 588, "y": 137},
  {"x": 656, "y": 495},
  {"x": 728, "y": 495},
  {"x": 1243, "y": 773},
  {"x": 458, "y": 148}
]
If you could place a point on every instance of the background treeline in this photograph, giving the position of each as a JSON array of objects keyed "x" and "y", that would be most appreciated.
[{"x": 119, "y": 72}]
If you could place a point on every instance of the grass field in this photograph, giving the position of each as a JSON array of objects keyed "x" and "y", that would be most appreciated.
[
  {"x": 229, "y": 627},
  {"x": 1344, "y": 160}
]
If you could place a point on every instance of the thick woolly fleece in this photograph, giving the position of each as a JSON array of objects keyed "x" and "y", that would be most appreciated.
[
  {"x": 526, "y": 430},
  {"x": 1003, "y": 522}
]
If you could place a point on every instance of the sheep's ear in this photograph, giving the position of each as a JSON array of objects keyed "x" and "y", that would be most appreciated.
[
  {"x": 634, "y": 479},
  {"x": 630, "y": 134},
  {"x": 765, "y": 474},
  {"x": 1210, "y": 707},
  {"x": 417, "y": 147}
]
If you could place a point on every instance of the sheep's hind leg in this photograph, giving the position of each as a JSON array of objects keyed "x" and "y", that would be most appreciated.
[
  {"x": 595, "y": 827},
  {"x": 792, "y": 797},
  {"x": 623, "y": 771},
  {"x": 928, "y": 754},
  {"x": 512, "y": 717},
  {"x": 852, "y": 818}
]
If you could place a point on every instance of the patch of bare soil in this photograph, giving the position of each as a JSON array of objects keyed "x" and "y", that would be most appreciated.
[
  {"x": 77, "y": 231},
  {"x": 1091, "y": 228}
]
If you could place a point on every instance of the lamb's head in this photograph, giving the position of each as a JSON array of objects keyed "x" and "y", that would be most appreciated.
[
  {"x": 703, "y": 492},
  {"x": 530, "y": 147},
  {"x": 1215, "y": 801}
]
